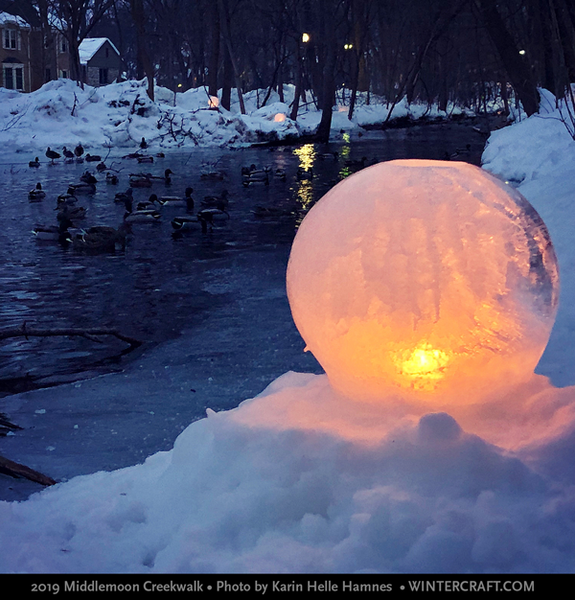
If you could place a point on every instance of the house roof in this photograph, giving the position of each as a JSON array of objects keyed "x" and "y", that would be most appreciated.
[
  {"x": 89, "y": 46},
  {"x": 8, "y": 19}
]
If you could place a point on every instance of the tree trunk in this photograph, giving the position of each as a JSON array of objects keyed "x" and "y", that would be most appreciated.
[
  {"x": 515, "y": 64},
  {"x": 225, "y": 24},
  {"x": 298, "y": 86},
  {"x": 327, "y": 96},
  {"x": 227, "y": 85},
  {"x": 567, "y": 39},
  {"x": 139, "y": 18},
  {"x": 549, "y": 78},
  {"x": 214, "y": 59}
]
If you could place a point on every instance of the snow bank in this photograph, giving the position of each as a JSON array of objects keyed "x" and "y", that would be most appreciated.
[
  {"x": 256, "y": 490},
  {"x": 537, "y": 155},
  {"x": 119, "y": 115}
]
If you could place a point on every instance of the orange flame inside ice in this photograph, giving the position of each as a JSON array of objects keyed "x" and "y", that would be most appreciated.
[{"x": 425, "y": 279}]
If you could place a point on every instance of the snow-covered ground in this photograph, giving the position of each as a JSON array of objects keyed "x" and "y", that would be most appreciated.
[
  {"x": 299, "y": 480},
  {"x": 119, "y": 115}
]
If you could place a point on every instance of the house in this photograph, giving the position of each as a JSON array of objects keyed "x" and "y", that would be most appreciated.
[
  {"x": 100, "y": 61},
  {"x": 30, "y": 58},
  {"x": 15, "y": 53}
]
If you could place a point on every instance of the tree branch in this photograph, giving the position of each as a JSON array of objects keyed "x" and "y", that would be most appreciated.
[
  {"x": 14, "y": 469},
  {"x": 26, "y": 332}
]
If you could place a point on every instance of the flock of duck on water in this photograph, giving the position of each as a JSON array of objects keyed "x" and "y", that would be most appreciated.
[{"x": 70, "y": 214}]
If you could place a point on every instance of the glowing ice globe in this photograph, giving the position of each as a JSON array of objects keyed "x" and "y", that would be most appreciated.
[{"x": 425, "y": 278}]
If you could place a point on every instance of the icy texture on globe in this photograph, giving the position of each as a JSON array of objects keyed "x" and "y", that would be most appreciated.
[{"x": 423, "y": 278}]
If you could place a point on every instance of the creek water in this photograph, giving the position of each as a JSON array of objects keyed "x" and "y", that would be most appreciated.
[
  {"x": 46, "y": 285},
  {"x": 223, "y": 290}
]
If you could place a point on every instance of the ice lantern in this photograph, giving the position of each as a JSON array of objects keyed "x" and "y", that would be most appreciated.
[{"x": 423, "y": 278}]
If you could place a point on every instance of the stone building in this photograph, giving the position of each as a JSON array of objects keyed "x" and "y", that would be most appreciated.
[{"x": 100, "y": 61}]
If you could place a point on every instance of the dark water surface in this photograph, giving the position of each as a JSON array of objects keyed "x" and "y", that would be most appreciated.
[
  {"x": 48, "y": 286},
  {"x": 222, "y": 293}
]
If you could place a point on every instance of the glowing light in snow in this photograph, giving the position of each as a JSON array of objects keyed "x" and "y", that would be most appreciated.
[
  {"x": 279, "y": 118},
  {"x": 213, "y": 102},
  {"x": 423, "y": 279}
]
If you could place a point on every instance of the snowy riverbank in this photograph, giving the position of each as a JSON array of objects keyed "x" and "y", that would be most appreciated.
[
  {"x": 117, "y": 116},
  {"x": 295, "y": 480}
]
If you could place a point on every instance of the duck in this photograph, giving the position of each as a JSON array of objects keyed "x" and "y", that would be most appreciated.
[
  {"x": 34, "y": 163},
  {"x": 212, "y": 215},
  {"x": 303, "y": 174},
  {"x": 143, "y": 144},
  {"x": 99, "y": 238},
  {"x": 140, "y": 216},
  {"x": 93, "y": 158},
  {"x": 148, "y": 204},
  {"x": 187, "y": 223},
  {"x": 140, "y": 180},
  {"x": 221, "y": 202},
  {"x": 52, "y": 155},
  {"x": 174, "y": 201},
  {"x": 112, "y": 178},
  {"x": 124, "y": 196},
  {"x": 66, "y": 200},
  {"x": 100, "y": 167},
  {"x": 256, "y": 177},
  {"x": 165, "y": 178},
  {"x": 212, "y": 175},
  {"x": 145, "y": 159},
  {"x": 82, "y": 188},
  {"x": 68, "y": 154},
  {"x": 55, "y": 233},
  {"x": 151, "y": 178},
  {"x": 208, "y": 216},
  {"x": 37, "y": 193},
  {"x": 253, "y": 170},
  {"x": 359, "y": 164},
  {"x": 79, "y": 150},
  {"x": 88, "y": 177},
  {"x": 71, "y": 212}
]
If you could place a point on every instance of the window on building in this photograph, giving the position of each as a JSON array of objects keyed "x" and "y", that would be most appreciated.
[
  {"x": 103, "y": 76},
  {"x": 13, "y": 77},
  {"x": 63, "y": 46},
  {"x": 64, "y": 74},
  {"x": 11, "y": 39}
]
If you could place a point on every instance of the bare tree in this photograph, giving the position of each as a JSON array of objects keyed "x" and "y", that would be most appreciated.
[
  {"x": 144, "y": 60},
  {"x": 515, "y": 64},
  {"x": 75, "y": 20}
]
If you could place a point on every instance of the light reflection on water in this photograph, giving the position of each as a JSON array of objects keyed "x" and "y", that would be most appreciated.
[{"x": 136, "y": 291}]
